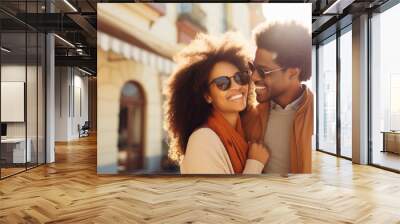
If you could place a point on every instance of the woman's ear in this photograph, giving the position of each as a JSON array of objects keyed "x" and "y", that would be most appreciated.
[{"x": 207, "y": 98}]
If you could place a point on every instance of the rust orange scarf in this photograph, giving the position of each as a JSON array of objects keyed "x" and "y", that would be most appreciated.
[{"x": 232, "y": 138}]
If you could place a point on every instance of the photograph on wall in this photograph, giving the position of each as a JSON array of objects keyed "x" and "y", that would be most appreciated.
[{"x": 204, "y": 88}]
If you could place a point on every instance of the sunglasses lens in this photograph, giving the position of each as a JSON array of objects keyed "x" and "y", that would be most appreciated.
[
  {"x": 242, "y": 78},
  {"x": 261, "y": 72},
  {"x": 223, "y": 83}
]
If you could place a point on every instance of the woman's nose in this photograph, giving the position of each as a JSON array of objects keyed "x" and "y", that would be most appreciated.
[{"x": 235, "y": 85}]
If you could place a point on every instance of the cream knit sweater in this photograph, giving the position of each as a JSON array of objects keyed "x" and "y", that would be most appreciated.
[{"x": 206, "y": 154}]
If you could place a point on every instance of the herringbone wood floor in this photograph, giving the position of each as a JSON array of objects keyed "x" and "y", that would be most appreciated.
[{"x": 70, "y": 191}]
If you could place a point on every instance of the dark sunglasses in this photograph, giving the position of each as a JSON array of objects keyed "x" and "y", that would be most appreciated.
[
  {"x": 224, "y": 82},
  {"x": 261, "y": 71}
]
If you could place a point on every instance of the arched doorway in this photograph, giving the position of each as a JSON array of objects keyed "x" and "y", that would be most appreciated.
[{"x": 131, "y": 128}]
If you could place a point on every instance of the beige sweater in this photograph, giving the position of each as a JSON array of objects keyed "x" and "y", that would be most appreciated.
[{"x": 206, "y": 154}]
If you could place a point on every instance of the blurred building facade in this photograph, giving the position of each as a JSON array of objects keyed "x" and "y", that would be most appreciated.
[{"x": 136, "y": 44}]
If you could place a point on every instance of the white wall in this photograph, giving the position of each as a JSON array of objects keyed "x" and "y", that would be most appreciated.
[
  {"x": 61, "y": 103},
  {"x": 79, "y": 117},
  {"x": 15, "y": 73},
  {"x": 70, "y": 83}
]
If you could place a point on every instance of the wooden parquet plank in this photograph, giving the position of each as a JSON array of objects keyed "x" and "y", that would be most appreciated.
[{"x": 70, "y": 191}]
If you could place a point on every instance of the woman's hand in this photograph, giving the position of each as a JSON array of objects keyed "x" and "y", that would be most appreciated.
[{"x": 258, "y": 152}]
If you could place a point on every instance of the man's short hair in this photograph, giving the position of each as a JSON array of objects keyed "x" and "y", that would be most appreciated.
[{"x": 291, "y": 42}]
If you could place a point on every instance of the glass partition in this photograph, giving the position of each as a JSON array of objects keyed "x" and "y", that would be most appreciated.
[
  {"x": 13, "y": 103},
  {"x": 22, "y": 88}
]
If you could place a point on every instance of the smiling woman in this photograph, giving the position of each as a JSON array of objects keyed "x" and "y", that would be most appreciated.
[{"x": 206, "y": 94}]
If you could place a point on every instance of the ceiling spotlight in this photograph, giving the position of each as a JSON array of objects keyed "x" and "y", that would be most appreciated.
[
  {"x": 5, "y": 50},
  {"x": 79, "y": 51},
  {"x": 84, "y": 71},
  {"x": 337, "y": 7},
  {"x": 70, "y": 5},
  {"x": 64, "y": 40}
]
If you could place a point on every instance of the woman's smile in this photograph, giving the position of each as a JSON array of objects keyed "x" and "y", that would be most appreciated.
[{"x": 236, "y": 97}]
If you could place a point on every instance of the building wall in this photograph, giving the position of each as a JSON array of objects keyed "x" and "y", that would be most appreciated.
[
  {"x": 165, "y": 25},
  {"x": 241, "y": 19},
  {"x": 214, "y": 18},
  {"x": 112, "y": 74}
]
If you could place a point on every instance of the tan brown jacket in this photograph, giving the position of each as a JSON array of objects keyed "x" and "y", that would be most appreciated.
[{"x": 255, "y": 123}]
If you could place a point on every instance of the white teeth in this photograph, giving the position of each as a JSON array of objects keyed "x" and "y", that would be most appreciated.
[
  {"x": 260, "y": 87},
  {"x": 235, "y": 97}
]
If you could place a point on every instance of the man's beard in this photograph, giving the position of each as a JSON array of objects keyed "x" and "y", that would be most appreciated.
[
  {"x": 268, "y": 95},
  {"x": 276, "y": 94}
]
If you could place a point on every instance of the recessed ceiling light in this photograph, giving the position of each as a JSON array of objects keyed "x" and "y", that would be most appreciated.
[
  {"x": 84, "y": 71},
  {"x": 337, "y": 7},
  {"x": 5, "y": 50},
  {"x": 70, "y": 5},
  {"x": 64, "y": 40}
]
